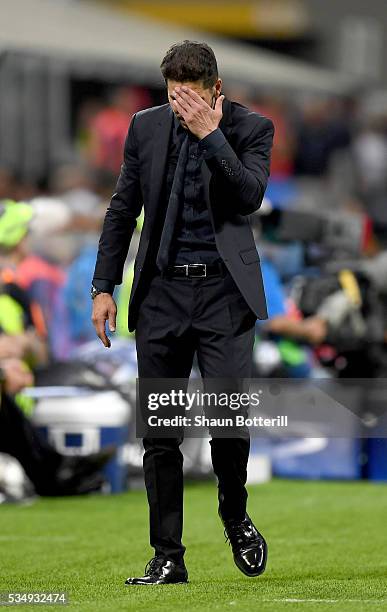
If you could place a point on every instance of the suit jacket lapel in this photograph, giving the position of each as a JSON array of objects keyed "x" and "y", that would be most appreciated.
[
  {"x": 225, "y": 126},
  {"x": 159, "y": 158},
  {"x": 225, "y": 122}
]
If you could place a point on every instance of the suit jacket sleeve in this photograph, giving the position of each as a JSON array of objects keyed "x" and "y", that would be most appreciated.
[
  {"x": 245, "y": 176},
  {"x": 121, "y": 216}
]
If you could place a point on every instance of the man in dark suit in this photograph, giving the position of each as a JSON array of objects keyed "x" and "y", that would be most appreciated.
[{"x": 199, "y": 165}]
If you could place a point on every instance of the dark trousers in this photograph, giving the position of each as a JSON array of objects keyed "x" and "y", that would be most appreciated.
[{"x": 178, "y": 317}]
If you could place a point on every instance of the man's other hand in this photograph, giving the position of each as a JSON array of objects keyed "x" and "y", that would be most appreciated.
[{"x": 104, "y": 309}]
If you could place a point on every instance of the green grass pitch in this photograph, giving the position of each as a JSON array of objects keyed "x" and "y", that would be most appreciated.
[{"x": 327, "y": 550}]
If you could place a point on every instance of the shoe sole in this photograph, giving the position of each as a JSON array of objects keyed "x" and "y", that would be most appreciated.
[
  {"x": 259, "y": 573},
  {"x": 250, "y": 575},
  {"x": 150, "y": 584}
]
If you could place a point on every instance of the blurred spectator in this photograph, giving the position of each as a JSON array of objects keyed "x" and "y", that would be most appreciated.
[
  {"x": 78, "y": 188},
  {"x": 41, "y": 279},
  {"x": 109, "y": 127},
  {"x": 19, "y": 316},
  {"x": 346, "y": 311},
  {"x": 76, "y": 296},
  {"x": 323, "y": 129},
  {"x": 84, "y": 120},
  {"x": 282, "y": 157},
  {"x": 74, "y": 185},
  {"x": 370, "y": 157},
  {"x": 23, "y": 333}
]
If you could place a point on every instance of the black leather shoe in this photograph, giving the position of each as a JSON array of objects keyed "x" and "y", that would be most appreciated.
[
  {"x": 160, "y": 570},
  {"x": 248, "y": 545}
]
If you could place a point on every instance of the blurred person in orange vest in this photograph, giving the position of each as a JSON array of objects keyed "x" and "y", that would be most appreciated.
[
  {"x": 23, "y": 333},
  {"x": 26, "y": 323},
  {"x": 40, "y": 270}
]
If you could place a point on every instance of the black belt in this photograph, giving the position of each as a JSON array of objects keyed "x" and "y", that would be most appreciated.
[{"x": 196, "y": 270}]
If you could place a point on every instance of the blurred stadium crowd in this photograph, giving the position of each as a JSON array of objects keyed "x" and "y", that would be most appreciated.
[{"x": 321, "y": 234}]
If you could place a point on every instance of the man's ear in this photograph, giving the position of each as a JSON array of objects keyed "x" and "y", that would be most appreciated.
[{"x": 218, "y": 92}]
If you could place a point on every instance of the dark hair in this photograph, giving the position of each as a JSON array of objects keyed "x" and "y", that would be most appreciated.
[{"x": 190, "y": 61}]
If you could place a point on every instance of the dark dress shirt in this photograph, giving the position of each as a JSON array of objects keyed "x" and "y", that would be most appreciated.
[{"x": 194, "y": 239}]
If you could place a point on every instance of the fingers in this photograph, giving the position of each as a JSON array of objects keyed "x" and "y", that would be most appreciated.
[
  {"x": 101, "y": 332},
  {"x": 180, "y": 109},
  {"x": 185, "y": 99},
  {"x": 99, "y": 321},
  {"x": 182, "y": 102},
  {"x": 112, "y": 319},
  {"x": 187, "y": 102},
  {"x": 104, "y": 309},
  {"x": 191, "y": 96},
  {"x": 219, "y": 103}
]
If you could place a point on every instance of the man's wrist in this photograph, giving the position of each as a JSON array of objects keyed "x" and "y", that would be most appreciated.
[
  {"x": 98, "y": 287},
  {"x": 206, "y": 133},
  {"x": 212, "y": 142},
  {"x": 103, "y": 285}
]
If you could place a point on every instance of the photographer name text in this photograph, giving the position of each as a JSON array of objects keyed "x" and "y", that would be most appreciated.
[{"x": 203, "y": 421}]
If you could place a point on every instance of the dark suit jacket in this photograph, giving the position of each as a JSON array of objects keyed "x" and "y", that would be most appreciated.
[{"x": 235, "y": 179}]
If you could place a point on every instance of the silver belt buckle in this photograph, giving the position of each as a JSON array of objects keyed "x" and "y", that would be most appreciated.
[
  {"x": 204, "y": 269},
  {"x": 185, "y": 266}
]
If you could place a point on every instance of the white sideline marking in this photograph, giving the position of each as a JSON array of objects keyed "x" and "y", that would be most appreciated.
[
  {"x": 289, "y": 600},
  {"x": 39, "y": 538}
]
